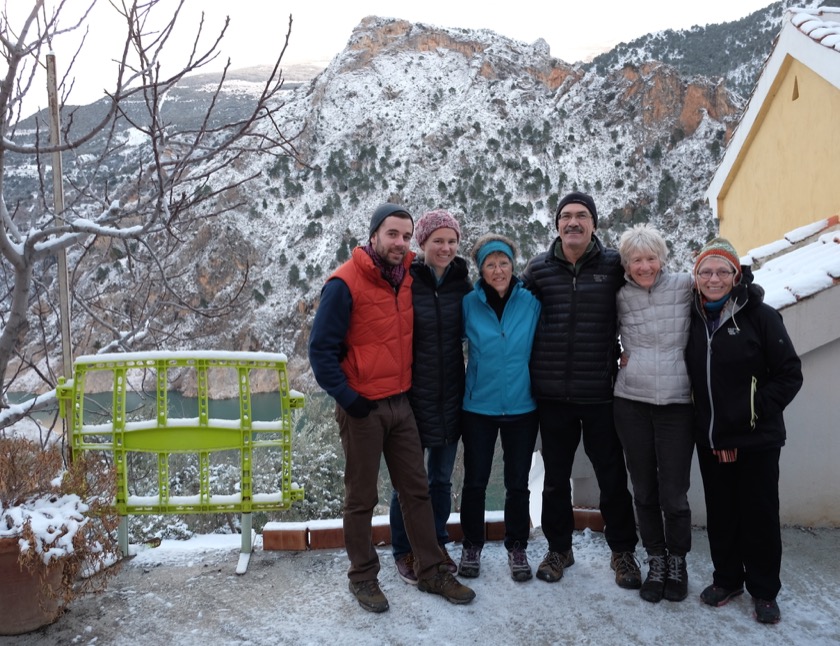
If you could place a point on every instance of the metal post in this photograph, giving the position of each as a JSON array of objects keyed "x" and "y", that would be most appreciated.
[{"x": 58, "y": 197}]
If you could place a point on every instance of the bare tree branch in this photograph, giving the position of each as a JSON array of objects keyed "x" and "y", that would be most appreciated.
[{"x": 126, "y": 216}]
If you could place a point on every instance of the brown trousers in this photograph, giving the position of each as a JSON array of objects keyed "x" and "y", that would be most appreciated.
[{"x": 388, "y": 431}]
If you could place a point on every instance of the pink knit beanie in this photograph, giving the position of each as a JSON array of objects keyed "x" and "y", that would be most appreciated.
[{"x": 432, "y": 221}]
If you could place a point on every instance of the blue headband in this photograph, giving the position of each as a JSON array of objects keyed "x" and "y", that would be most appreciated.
[{"x": 490, "y": 247}]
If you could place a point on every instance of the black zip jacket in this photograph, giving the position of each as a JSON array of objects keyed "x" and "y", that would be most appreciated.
[
  {"x": 575, "y": 346},
  {"x": 437, "y": 381},
  {"x": 743, "y": 374}
]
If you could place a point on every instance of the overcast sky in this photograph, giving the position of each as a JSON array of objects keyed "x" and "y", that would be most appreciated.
[{"x": 574, "y": 29}]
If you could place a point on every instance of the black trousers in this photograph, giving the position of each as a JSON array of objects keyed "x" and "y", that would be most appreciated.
[
  {"x": 658, "y": 445},
  {"x": 742, "y": 512},
  {"x": 561, "y": 428}
]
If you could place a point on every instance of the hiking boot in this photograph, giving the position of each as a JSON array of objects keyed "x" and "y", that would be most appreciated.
[
  {"x": 676, "y": 585},
  {"x": 718, "y": 596},
  {"x": 626, "y": 567},
  {"x": 405, "y": 568},
  {"x": 520, "y": 570},
  {"x": 767, "y": 612},
  {"x": 450, "y": 564},
  {"x": 447, "y": 586},
  {"x": 470, "y": 562},
  {"x": 553, "y": 564},
  {"x": 654, "y": 586},
  {"x": 369, "y": 595}
]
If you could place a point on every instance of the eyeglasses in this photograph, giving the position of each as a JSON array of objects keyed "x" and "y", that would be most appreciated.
[
  {"x": 723, "y": 274},
  {"x": 568, "y": 217},
  {"x": 503, "y": 265}
]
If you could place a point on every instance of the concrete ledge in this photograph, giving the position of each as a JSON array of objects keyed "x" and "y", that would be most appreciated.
[
  {"x": 326, "y": 538},
  {"x": 294, "y": 540},
  {"x": 494, "y": 530},
  {"x": 381, "y": 531},
  {"x": 456, "y": 534},
  {"x": 588, "y": 519},
  {"x": 329, "y": 534}
]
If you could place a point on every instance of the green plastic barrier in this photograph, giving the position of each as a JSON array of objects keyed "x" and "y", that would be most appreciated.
[{"x": 203, "y": 435}]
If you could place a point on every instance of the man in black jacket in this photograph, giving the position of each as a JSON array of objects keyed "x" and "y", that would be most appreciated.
[{"x": 573, "y": 366}]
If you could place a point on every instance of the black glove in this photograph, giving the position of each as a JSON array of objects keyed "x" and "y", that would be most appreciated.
[{"x": 361, "y": 407}]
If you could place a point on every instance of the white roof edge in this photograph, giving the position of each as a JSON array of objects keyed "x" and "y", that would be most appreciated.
[{"x": 823, "y": 60}]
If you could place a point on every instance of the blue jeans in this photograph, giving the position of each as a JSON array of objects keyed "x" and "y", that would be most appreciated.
[
  {"x": 440, "y": 462},
  {"x": 519, "y": 434}
]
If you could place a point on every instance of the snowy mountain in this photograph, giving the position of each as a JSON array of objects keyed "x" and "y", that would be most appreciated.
[
  {"x": 492, "y": 129},
  {"x": 734, "y": 50}
]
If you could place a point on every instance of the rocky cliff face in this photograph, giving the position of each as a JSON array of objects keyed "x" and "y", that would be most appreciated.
[{"x": 662, "y": 96}]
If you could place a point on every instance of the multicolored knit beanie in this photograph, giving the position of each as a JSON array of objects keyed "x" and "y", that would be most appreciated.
[
  {"x": 432, "y": 221},
  {"x": 719, "y": 248}
]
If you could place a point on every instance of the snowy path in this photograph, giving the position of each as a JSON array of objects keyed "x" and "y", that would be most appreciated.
[{"x": 186, "y": 593}]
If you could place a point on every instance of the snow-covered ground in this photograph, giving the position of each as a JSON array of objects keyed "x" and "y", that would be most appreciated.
[{"x": 187, "y": 592}]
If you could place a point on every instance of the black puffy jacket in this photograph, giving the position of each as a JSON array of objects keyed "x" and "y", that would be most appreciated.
[
  {"x": 575, "y": 347},
  {"x": 743, "y": 374},
  {"x": 437, "y": 382}
]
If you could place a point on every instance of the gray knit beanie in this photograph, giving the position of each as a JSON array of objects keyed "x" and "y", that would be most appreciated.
[{"x": 383, "y": 211}]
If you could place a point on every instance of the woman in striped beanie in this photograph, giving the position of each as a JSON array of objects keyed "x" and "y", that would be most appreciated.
[{"x": 744, "y": 372}]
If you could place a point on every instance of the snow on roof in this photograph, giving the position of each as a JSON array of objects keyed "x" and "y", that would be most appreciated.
[
  {"x": 798, "y": 266},
  {"x": 811, "y": 23},
  {"x": 811, "y": 36}
]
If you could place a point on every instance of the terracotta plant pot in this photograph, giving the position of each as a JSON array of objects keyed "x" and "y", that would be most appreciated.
[{"x": 25, "y": 596}]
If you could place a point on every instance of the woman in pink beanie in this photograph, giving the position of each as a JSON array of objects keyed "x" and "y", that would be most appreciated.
[{"x": 441, "y": 279}]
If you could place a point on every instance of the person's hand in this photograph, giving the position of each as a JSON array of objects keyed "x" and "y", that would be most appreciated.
[
  {"x": 623, "y": 360},
  {"x": 361, "y": 407}
]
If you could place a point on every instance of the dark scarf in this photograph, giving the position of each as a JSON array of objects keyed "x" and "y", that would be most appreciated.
[
  {"x": 494, "y": 300},
  {"x": 712, "y": 309},
  {"x": 394, "y": 274}
]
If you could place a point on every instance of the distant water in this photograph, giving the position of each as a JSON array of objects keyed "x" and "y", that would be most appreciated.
[{"x": 264, "y": 407}]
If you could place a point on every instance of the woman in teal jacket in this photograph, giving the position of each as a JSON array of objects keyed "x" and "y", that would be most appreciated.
[{"x": 500, "y": 317}]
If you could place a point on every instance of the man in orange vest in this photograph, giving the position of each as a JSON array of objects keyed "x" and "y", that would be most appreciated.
[{"x": 360, "y": 352}]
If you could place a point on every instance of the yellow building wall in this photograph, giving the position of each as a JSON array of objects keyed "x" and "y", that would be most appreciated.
[{"x": 788, "y": 174}]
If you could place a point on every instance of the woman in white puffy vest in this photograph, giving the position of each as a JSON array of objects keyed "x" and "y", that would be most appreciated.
[{"x": 652, "y": 407}]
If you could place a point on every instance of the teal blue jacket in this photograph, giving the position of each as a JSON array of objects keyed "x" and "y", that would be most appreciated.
[{"x": 498, "y": 381}]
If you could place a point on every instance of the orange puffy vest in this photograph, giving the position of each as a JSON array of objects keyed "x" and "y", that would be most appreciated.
[{"x": 379, "y": 353}]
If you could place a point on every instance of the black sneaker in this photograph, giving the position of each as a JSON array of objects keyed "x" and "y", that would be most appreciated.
[
  {"x": 405, "y": 568},
  {"x": 520, "y": 570},
  {"x": 553, "y": 564},
  {"x": 718, "y": 596},
  {"x": 676, "y": 585},
  {"x": 626, "y": 567},
  {"x": 767, "y": 612},
  {"x": 653, "y": 589},
  {"x": 447, "y": 586},
  {"x": 470, "y": 562},
  {"x": 369, "y": 595}
]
